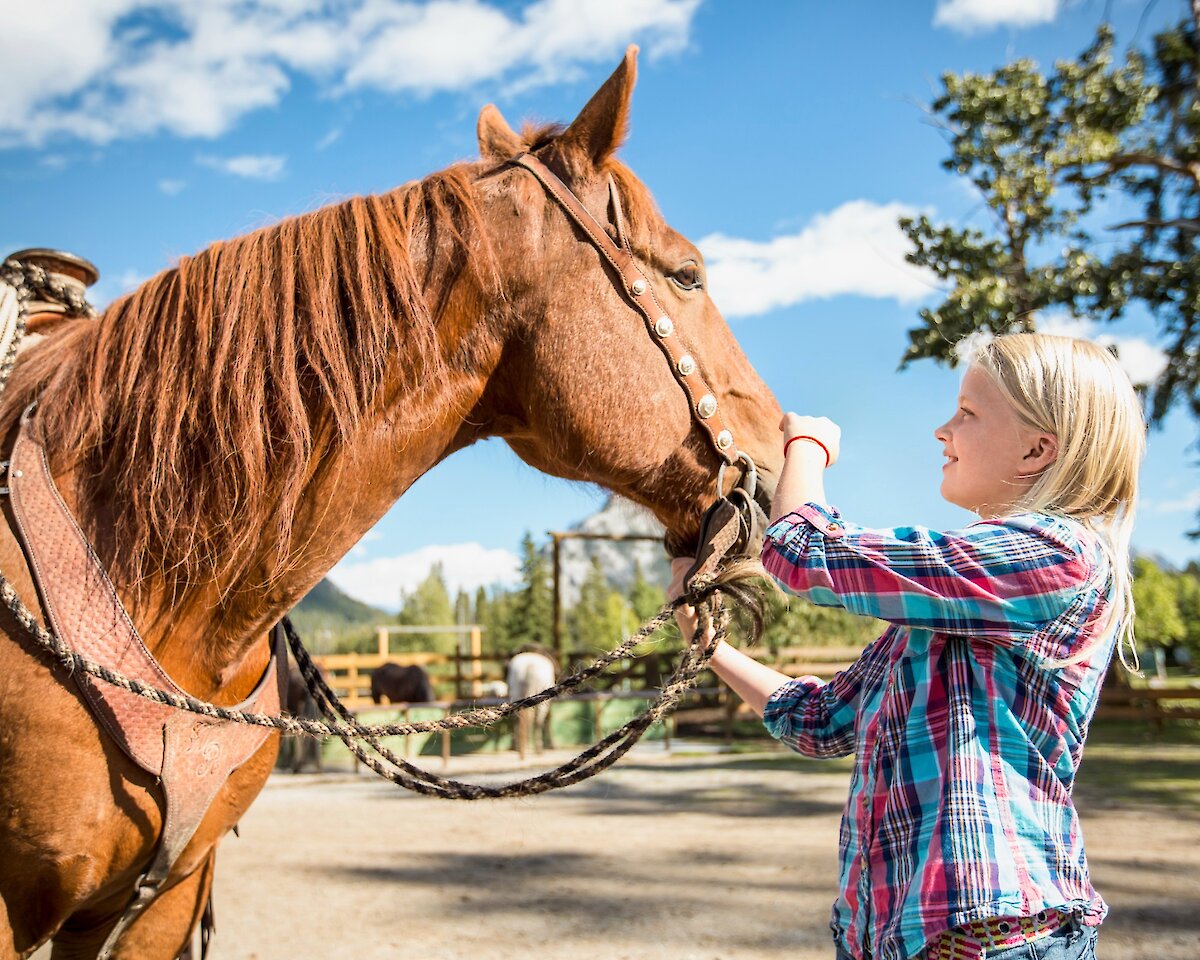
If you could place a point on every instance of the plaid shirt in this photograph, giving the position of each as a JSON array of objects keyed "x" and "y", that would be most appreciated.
[{"x": 966, "y": 744}]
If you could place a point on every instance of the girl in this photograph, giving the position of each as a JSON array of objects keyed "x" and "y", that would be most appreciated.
[{"x": 967, "y": 717}]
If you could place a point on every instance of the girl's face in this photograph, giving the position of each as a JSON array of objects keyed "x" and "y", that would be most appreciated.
[{"x": 993, "y": 456}]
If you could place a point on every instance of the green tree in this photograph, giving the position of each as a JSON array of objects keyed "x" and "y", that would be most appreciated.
[
  {"x": 530, "y": 613},
  {"x": 645, "y": 598},
  {"x": 598, "y": 619},
  {"x": 463, "y": 613},
  {"x": 1157, "y": 620},
  {"x": 492, "y": 614},
  {"x": 428, "y": 605},
  {"x": 1188, "y": 599},
  {"x": 479, "y": 609},
  {"x": 792, "y": 622},
  {"x": 1042, "y": 149}
]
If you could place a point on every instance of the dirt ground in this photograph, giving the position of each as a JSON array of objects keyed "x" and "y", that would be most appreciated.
[{"x": 688, "y": 856}]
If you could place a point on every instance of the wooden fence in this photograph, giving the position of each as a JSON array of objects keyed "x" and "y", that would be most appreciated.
[
  {"x": 1155, "y": 704},
  {"x": 462, "y": 677}
]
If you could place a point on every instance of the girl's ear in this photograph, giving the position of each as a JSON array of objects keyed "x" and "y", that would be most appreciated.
[{"x": 1042, "y": 452}]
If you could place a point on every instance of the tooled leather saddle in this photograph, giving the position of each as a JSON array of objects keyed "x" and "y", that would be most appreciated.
[{"x": 192, "y": 756}]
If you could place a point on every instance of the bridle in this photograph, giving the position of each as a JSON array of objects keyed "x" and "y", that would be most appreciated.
[{"x": 636, "y": 287}]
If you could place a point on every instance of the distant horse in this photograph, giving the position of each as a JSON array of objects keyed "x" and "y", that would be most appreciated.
[
  {"x": 226, "y": 432},
  {"x": 400, "y": 684},
  {"x": 530, "y": 672},
  {"x": 295, "y": 752}
]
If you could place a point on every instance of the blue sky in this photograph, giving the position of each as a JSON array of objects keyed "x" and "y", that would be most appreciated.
[{"x": 785, "y": 138}]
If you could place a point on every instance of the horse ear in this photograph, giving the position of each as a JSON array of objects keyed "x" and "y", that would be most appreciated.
[
  {"x": 497, "y": 141},
  {"x": 601, "y": 126}
]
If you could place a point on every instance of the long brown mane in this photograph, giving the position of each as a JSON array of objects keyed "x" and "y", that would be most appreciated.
[{"x": 200, "y": 395}]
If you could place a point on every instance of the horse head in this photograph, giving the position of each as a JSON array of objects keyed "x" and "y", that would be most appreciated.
[{"x": 582, "y": 390}]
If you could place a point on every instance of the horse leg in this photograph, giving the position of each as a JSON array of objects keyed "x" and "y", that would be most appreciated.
[
  {"x": 522, "y": 732},
  {"x": 162, "y": 932},
  {"x": 547, "y": 728}
]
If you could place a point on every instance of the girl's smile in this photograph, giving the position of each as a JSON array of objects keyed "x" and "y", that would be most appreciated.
[{"x": 996, "y": 455}]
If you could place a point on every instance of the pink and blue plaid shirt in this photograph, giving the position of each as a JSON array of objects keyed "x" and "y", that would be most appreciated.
[{"x": 966, "y": 743}]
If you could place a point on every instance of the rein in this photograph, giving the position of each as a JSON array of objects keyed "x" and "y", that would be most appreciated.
[{"x": 730, "y": 528}]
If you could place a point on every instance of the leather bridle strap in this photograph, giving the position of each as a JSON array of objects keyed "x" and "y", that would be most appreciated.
[{"x": 640, "y": 292}]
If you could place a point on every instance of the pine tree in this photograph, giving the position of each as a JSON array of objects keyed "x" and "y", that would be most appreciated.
[
  {"x": 588, "y": 620},
  {"x": 530, "y": 614},
  {"x": 462, "y": 608},
  {"x": 429, "y": 605},
  {"x": 645, "y": 598},
  {"x": 480, "y": 609}
]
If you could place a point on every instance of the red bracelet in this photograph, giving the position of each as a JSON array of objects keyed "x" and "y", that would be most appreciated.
[{"x": 811, "y": 440}]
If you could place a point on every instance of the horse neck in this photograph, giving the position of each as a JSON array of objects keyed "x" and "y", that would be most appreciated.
[{"x": 204, "y": 637}]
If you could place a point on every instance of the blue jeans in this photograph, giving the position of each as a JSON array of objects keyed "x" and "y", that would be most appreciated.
[{"x": 1073, "y": 941}]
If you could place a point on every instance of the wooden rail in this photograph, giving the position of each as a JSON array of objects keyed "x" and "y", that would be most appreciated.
[
  {"x": 457, "y": 677},
  {"x": 1155, "y": 704}
]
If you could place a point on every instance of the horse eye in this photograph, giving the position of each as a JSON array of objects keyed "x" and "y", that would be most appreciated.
[{"x": 687, "y": 276}]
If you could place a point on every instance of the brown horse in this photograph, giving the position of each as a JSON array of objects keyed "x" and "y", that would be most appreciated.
[{"x": 230, "y": 429}]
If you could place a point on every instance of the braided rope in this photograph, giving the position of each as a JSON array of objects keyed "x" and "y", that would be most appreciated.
[{"x": 339, "y": 722}]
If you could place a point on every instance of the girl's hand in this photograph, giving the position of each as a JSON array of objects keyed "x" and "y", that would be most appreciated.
[
  {"x": 685, "y": 616},
  {"x": 822, "y": 428}
]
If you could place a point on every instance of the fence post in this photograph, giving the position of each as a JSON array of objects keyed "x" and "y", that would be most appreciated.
[
  {"x": 476, "y": 663},
  {"x": 352, "y": 681},
  {"x": 381, "y": 637}
]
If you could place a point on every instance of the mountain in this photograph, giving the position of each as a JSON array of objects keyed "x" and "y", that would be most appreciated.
[
  {"x": 617, "y": 516},
  {"x": 326, "y": 614}
]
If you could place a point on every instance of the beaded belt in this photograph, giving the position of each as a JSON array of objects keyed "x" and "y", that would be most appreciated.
[{"x": 977, "y": 939}]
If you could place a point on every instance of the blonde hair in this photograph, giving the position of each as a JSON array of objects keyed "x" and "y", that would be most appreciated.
[{"x": 1077, "y": 391}]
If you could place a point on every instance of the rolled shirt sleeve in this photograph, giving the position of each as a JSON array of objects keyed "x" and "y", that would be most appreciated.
[
  {"x": 817, "y": 718},
  {"x": 1003, "y": 579}
]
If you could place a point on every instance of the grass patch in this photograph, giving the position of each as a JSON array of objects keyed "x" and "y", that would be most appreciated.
[{"x": 1133, "y": 764}]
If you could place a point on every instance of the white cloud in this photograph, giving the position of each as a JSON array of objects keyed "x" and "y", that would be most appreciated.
[
  {"x": 467, "y": 566},
  {"x": 99, "y": 71},
  {"x": 1142, "y": 361},
  {"x": 251, "y": 166},
  {"x": 1187, "y": 504},
  {"x": 970, "y": 16},
  {"x": 856, "y": 249},
  {"x": 332, "y": 137},
  {"x": 171, "y": 186}
]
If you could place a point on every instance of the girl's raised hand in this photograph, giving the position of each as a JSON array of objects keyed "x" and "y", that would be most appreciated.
[{"x": 822, "y": 429}]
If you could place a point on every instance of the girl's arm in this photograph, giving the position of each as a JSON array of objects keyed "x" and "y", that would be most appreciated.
[
  {"x": 997, "y": 578},
  {"x": 802, "y": 479},
  {"x": 754, "y": 682},
  {"x": 810, "y": 716}
]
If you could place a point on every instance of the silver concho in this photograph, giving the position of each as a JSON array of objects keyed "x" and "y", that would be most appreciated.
[
  {"x": 687, "y": 365},
  {"x": 724, "y": 440},
  {"x": 706, "y": 406},
  {"x": 638, "y": 287},
  {"x": 663, "y": 326}
]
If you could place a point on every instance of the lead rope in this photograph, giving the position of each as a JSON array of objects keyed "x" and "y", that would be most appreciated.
[{"x": 703, "y": 593}]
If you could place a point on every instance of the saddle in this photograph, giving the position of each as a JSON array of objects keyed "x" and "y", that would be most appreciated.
[{"x": 192, "y": 756}]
